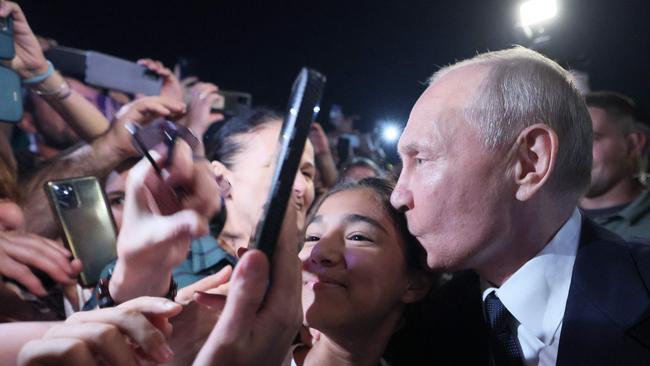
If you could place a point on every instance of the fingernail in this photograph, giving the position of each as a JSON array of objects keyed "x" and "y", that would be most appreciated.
[
  {"x": 164, "y": 174},
  {"x": 241, "y": 251},
  {"x": 164, "y": 353},
  {"x": 169, "y": 305}
]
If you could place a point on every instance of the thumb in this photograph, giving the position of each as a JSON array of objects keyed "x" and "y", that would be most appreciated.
[{"x": 247, "y": 288}]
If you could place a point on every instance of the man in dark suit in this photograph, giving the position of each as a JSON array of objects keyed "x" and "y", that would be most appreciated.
[{"x": 496, "y": 153}]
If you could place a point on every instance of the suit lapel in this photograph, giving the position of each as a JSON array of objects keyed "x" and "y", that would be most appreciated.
[{"x": 607, "y": 298}]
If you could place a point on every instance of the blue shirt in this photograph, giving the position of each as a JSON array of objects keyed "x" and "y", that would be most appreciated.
[{"x": 205, "y": 257}]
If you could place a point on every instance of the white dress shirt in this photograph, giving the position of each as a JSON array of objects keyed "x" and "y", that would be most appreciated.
[{"x": 537, "y": 293}]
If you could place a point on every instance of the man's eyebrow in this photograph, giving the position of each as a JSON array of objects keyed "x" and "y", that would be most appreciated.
[
  {"x": 412, "y": 147},
  {"x": 352, "y": 218}
]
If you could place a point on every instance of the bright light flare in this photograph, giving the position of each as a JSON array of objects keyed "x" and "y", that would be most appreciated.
[
  {"x": 390, "y": 132},
  {"x": 533, "y": 12}
]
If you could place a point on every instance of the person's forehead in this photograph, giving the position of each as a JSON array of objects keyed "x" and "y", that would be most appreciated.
[
  {"x": 308, "y": 154},
  {"x": 360, "y": 201},
  {"x": 441, "y": 106}
]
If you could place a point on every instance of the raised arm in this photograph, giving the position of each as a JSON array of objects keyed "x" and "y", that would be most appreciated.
[
  {"x": 38, "y": 74},
  {"x": 97, "y": 158}
]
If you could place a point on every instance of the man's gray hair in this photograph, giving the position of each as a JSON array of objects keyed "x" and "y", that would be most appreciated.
[{"x": 523, "y": 88}]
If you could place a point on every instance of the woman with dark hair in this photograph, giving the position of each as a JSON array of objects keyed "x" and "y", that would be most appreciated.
[
  {"x": 361, "y": 270},
  {"x": 242, "y": 151}
]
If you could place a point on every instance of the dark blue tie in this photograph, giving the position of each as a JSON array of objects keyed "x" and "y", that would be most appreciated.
[{"x": 505, "y": 348}]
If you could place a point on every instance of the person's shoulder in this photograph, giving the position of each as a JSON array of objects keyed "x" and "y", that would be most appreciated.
[
  {"x": 611, "y": 251},
  {"x": 640, "y": 252}
]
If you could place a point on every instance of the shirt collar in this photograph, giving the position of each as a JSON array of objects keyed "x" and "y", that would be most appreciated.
[
  {"x": 536, "y": 294},
  {"x": 636, "y": 208},
  {"x": 205, "y": 252}
]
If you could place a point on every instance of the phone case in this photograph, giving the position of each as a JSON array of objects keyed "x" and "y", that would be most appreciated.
[
  {"x": 7, "y": 50},
  {"x": 11, "y": 98},
  {"x": 86, "y": 223},
  {"x": 302, "y": 109}
]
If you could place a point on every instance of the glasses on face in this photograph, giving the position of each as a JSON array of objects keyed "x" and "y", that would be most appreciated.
[{"x": 158, "y": 132}]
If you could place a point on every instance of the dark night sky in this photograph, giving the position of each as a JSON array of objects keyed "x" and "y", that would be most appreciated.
[{"x": 376, "y": 54}]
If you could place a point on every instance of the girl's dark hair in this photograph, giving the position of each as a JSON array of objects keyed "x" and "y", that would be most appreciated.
[
  {"x": 219, "y": 139},
  {"x": 414, "y": 254}
]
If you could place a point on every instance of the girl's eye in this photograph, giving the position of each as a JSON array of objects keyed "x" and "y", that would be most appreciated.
[
  {"x": 311, "y": 238},
  {"x": 308, "y": 174},
  {"x": 358, "y": 237},
  {"x": 116, "y": 201},
  {"x": 419, "y": 161}
]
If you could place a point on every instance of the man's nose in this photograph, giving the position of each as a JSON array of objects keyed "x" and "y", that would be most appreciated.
[{"x": 401, "y": 198}]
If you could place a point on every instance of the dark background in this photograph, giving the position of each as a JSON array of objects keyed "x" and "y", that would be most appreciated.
[{"x": 376, "y": 54}]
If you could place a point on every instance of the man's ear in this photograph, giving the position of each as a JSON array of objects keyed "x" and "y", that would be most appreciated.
[
  {"x": 535, "y": 155},
  {"x": 420, "y": 283},
  {"x": 636, "y": 143}
]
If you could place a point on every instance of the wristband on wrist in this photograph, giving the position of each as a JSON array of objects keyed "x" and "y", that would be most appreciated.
[
  {"x": 105, "y": 300},
  {"x": 61, "y": 92},
  {"x": 39, "y": 78}
]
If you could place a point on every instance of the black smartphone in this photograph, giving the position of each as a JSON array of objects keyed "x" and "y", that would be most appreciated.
[
  {"x": 232, "y": 102},
  {"x": 86, "y": 223},
  {"x": 11, "y": 98},
  {"x": 7, "y": 50},
  {"x": 303, "y": 105}
]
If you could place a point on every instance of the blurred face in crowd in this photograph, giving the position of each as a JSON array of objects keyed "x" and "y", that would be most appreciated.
[
  {"x": 55, "y": 131},
  {"x": 114, "y": 188},
  {"x": 250, "y": 179},
  {"x": 614, "y": 157},
  {"x": 455, "y": 192},
  {"x": 354, "y": 269},
  {"x": 357, "y": 172}
]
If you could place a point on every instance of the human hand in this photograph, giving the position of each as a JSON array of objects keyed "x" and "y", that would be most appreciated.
[
  {"x": 141, "y": 111},
  {"x": 29, "y": 60},
  {"x": 199, "y": 111},
  {"x": 161, "y": 216},
  {"x": 132, "y": 333},
  {"x": 319, "y": 139},
  {"x": 258, "y": 323},
  {"x": 19, "y": 251},
  {"x": 203, "y": 290},
  {"x": 171, "y": 87}
]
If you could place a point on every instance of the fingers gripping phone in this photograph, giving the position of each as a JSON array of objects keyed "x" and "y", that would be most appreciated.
[
  {"x": 303, "y": 106},
  {"x": 86, "y": 223}
]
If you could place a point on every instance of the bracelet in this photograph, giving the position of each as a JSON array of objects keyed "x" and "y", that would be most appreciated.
[
  {"x": 39, "y": 78},
  {"x": 61, "y": 92},
  {"x": 104, "y": 299}
]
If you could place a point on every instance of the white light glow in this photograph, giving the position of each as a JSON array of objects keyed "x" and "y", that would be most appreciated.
[
  {"x": 390, "y": 132},
  {"x": 536, "y": 11},
  {"x": 316, "y": 109}
]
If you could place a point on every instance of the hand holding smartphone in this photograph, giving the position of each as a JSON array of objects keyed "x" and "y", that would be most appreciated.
[
  {"x": 86, "y": 223},
  {"x": 303, "y": 105}
]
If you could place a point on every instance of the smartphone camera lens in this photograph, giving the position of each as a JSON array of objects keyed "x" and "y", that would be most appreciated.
[
  {"x": 66, "y": 196},
  {"x": 3, "y": 24}
]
